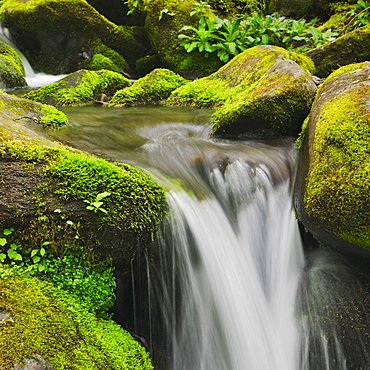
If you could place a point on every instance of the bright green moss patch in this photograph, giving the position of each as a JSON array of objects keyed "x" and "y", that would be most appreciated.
[
  {"x": 52, "y": 117},
  {"x": 155, "y": 87},
  {"x": 338, "y": 188},
  {"x": 47, "y": 323},
  {"x": 11, "y": 68},
  {"x": 248, "y": 89},
  {"x": 80, "y": 87},
  {"x": 136, "y": 202}
]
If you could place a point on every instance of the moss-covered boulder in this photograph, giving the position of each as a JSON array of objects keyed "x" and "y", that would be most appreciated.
[
  {"x": 57, "y": 36},
  {"x": 163, "y": 22},
  {"x": 350, "y": 48},
  {"x": 263, "y": 91},
  {"x": 333, "y": 185},
  {"x": 48, "y": 330},
  {"x": 81, "y": 87},
  {"x": 154, "y": 88},
  {"x": 11, "y": 68},
  {"x": 14, "y": 109},
  {"x": 298, "y": 8}
]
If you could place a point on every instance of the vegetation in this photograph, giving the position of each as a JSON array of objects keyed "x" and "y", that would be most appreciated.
[
  {"x": 80, "y": 87},
  {"x": 154, "y": 88},
  {"x": 228, "y": 38},
  {"x": 49, "y": 323}
]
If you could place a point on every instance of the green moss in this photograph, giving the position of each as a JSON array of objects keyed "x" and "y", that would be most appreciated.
[
  {"x": 155, "y": 87},
  {"x": 338, "y": 188},
  {"x": 136, "y": 203},
  {"x": 79, "y": 88},
  {"x": 47, "y": 323},
  {"x": 239, "y": 90},
  {"x": 98, "y": 62},
  {"x": 52, "y": 117},
  {"x": 11, "y": 68}
]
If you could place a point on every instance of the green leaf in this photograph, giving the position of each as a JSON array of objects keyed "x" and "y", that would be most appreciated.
[
  {"x": 36, "y": 259},
  {"x": 42, "y": 252},
  {"x": 3, "y": 241},
  {"x": 8, "y": 231},
  {"x": 2, "y": 257},
  {"x": 14, "y": 255},
  {"x": 46, "y": 243},
  {"x": 34, "y": 252}
]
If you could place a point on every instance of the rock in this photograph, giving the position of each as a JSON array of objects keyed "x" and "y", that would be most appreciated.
[
  {"x": 14, "y": 109},
  {"x": 38, "y": 176},
  {"x": 163, "y": 29},
  {"x": 154, "y": 88},
  {"x": 72, "y": 31},
  {"x": 332, "y": 195},
  {"x": 4, "y": 315},
  {"x": 37, "y": 363},
  {"x": 352, "y": 47},
  {"x": 78, "y": 88},
  {"x": 298, "y": 8},
  {"x": 262, "y": 92},
  {"x": 11, "y": 68}
]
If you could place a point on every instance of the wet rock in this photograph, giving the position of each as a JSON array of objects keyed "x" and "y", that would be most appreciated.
[{"x": 332, "y": 196}]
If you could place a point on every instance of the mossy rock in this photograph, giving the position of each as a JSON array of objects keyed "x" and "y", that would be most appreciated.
[
  {"x": 264, "y": 91},
  {"x": 236, "y": 7},
  {"x": 69, "y": 30},
  {"x": 17, "y": 109},
  {"x": 43, "y": 325},
  {"x": 11, "y": 68},
  {"x": 350, "y": 48},
  {"x": 163, "y": 21},
  {"x": 299, "y": 8},
  {"x": 81, "y": 87},
  {"x": 154, "y": 88},
  {"x": 333, "y": 187}
]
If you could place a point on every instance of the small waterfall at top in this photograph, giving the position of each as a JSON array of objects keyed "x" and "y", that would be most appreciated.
[{"x": 34, "y": 80}]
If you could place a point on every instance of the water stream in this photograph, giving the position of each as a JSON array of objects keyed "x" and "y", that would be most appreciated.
[{"x": 229, "y": 286}]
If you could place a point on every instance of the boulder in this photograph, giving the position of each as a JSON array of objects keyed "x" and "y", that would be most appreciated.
[
  {"x": 163, "y": 22},
  {"x": 332, "y": 195},
  {"x": 78, "y": 88},
  {"x": 262, "y": 92},
  {"x": 154, "y": 88},
  {"x": 71, "y": 32},
  {"x": 298, "y": 8},
  {"x": 11, "y": 68},
  {"x": 14, "y": 110},
  {"x": 352, "y": 47},
  {"x": 39, "y": 176}
]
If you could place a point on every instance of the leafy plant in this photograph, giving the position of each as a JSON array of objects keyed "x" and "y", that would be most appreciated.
[
  {"x": 227, "y": 38},
  {"x": 96, "y": 205},
  {"x": 360, "y": 15}
]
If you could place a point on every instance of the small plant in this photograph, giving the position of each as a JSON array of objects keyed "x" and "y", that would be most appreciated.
[
  {"x": 360, "y": 15},
  {"x": 227, "y": 38},
  {"x": 96, "y": 205}
]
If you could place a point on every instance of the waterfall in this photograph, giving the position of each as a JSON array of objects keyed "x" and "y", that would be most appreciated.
[
  {"x": 231, "y": 256},
  {"x": 233, "y": 286},
  {"x": 34, "y": 80}
]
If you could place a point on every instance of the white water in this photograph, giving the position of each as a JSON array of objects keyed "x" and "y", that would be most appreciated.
[
  {"x": 233, "y": 257},
  {"x": 34, "y": 80}
]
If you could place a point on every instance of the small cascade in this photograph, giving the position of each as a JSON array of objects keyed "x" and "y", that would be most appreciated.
[{"x": 34, "y": 80}]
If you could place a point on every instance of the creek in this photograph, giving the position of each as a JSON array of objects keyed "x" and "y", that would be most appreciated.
[{"x": 228, "y": 285}]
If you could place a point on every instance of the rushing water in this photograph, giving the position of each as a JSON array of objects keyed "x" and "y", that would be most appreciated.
[{"x": 229, "y": 286}]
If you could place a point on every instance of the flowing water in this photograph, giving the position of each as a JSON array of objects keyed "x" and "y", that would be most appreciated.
[{"x": 229, "y": 285}]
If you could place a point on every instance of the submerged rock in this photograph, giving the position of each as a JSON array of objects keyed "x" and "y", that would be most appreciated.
[
  {"x": 332, "y": 196},
  {"x": 352, "y": 47},
  {"x": 154, "y": 88},
  {"x": 11, "y": 68},
  {"x": 58, "y": 36},
  {"x": 263, "y": 91},
  {"x": 81, "y": 87}
]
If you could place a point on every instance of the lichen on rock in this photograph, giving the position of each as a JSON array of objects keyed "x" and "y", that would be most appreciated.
[
  {"x": 333, "y": 187},
  {"x": 78, "y": 88},
  {"x": 154, "y": 88},
  {"x": 264, "y": 91}
]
